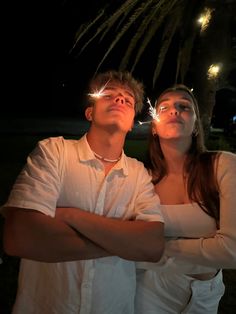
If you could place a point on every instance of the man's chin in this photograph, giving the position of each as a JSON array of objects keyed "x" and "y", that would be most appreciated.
[{"x": 115, "y": 127}]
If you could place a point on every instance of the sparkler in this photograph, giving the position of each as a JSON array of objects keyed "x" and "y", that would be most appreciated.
[
  {"x": 144, "y": 122},
  {"x": 152, "y": 113},
  {"x": 99, "y": 93}
]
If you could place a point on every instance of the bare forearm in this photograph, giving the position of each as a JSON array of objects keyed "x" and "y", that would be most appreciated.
[
  {"x": 35, "y": 236},
  {"x": 132, "y": 240}
]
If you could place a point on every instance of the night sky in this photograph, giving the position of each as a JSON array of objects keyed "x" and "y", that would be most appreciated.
[
  {"x": 41, "y": 74},
  {"x": 43, "y": 78},
  {"x": 71, "y": 73}
]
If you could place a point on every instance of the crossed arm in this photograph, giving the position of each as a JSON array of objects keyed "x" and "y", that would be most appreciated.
[
  {"x": 33, "y": 235},
  {"x": 77, "y": 235},
  {"x": 135, "y": 240}
]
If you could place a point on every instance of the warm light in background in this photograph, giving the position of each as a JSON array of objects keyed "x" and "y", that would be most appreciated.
[
  {"x": 214, "y": 71},
  {"x": 205, "y": 18}
]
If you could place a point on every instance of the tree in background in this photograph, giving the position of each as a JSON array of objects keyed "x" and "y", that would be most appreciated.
[{"x": 187, "y": 41}]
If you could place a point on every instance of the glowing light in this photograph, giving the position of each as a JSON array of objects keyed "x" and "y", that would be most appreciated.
[
  {"x": 213, "y": 71},
  {"x": 144, "y": 122},
  {"x": 205, "y": 18},
  {"x": 152, "y": 110},
  {"x": 152, "y": 113},
  {"x": 99, "y": 93}
]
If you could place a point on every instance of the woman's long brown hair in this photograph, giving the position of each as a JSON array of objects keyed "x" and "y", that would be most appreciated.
[{"x": 199, "y": 168}]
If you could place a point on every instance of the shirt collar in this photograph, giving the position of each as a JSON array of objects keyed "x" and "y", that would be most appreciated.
[
  {"x": 86, "y": 154},
  {"x": 84, "y": 151}
]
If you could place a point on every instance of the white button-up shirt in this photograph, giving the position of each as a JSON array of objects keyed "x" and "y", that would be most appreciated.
[{"x": 65, "y": 173}]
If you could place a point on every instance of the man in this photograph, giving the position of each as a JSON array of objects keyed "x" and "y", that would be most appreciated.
[{"x": 81, "y": 212}]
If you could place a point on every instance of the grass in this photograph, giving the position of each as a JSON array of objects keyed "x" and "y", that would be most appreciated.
[{"x": 16, "y": 149}]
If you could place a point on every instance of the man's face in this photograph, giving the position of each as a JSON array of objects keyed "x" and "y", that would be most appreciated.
[{"x": 113, "y": 108}]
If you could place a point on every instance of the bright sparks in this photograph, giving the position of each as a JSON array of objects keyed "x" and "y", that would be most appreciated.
[
  {"x": 144, "y": 122},
  {"x": 213, "y": 71},
  {"x": 205, "y": 18},
  {"x": 99, "y": 93},
  {"x": 152, "y": 113}
]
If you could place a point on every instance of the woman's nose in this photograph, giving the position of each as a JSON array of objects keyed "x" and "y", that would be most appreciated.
[{"x": 174, "y": 111}]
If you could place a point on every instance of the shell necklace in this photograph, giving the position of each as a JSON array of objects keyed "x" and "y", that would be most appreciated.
[{"x": 106, "y": 159}]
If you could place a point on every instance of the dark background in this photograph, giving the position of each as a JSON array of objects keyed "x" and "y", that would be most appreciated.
[
  {"x": 42, "y": 78},
  {"x": 45, "y": 80}
]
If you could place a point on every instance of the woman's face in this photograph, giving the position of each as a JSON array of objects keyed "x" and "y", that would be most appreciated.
[{"x": 176, "y": 116}]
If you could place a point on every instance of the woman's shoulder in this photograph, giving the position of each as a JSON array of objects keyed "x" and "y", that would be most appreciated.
[
  {"x": 226, "y": 164},
  {"x": 219, "y": 156},
  {"x": 226, "y": 157}
]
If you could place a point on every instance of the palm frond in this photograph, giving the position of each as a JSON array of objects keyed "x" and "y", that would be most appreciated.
[
  {"x": 147, "y": 16},
  {"x": 168, "y": 34},
  {"x": 121, "y": 14},
  {"x": 138, "y": 12},
  {"x": 142, "y": 29},
  {"x": 157, "y": 22},
  {"x": 84, "y": 29},
  {"x": 104, "y": 26}
]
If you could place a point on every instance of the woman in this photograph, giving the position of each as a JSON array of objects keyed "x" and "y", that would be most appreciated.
[{"x": 198, "y": 200}]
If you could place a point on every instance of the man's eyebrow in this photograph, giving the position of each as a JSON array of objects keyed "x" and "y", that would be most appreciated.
[{"x": 126, "y": 91}]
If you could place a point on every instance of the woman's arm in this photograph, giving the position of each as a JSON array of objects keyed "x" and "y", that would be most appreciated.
[{"x": 218, "y": 251}]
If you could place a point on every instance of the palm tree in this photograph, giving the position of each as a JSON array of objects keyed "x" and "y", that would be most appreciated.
[
  {"x": 213, "y": 47},
  {"x": 161, "y": 26}
]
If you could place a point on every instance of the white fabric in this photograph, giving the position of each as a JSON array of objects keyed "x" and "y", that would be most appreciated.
[
  {"x": 183, "y": 220},
  {"x": 65, "y": 173},
  {"x": 193, "y": 246},
  {"x": 218, "y": 250},
  {"x": 173, "y": 293}
]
